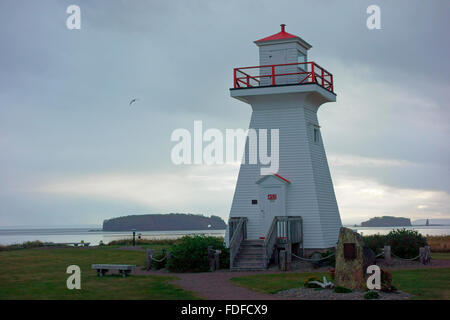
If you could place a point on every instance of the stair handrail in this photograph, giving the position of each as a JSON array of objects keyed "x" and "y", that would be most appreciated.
[
  {"x": 236, "y": 239},
  {"x": 270, "y": 241}
]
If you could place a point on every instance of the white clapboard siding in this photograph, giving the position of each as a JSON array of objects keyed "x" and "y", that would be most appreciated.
[
  {"x": 310, "y": 194},
  {"x": 293, "y": 110}
]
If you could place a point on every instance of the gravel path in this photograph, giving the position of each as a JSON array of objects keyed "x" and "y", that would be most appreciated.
[
  {"x": 329, "y": 294},
  {"x": 217, "y": 285}
]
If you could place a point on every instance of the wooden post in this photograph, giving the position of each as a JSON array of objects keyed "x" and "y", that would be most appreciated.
[
  {"x": 148, "y": 258},
  {"x": 282, "y": 264},
  {"x": 387, "y": 255},
  {"x": 288, "y": 249},
  {"x": 217, "y": 260},
  {"x": 424, "y": 255},
  {"x": 212, "y": 263}
]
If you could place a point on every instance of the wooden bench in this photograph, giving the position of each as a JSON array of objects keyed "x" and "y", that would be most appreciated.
[{"x": 124, "y": 269}]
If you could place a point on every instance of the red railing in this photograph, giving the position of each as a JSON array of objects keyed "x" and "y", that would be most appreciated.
[{"x": 279, "y": 74}]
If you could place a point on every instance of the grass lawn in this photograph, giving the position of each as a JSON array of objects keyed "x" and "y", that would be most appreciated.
[
  {"x": 422, "y": 283},
  {"x": 440, "y": 255},
  {"x": 41, "y": 274}
]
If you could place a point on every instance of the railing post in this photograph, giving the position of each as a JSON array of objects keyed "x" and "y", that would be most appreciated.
[
  {"x": 248, "y": 81},
  {"x": 234, "y": 77},
  {"x": 323, "y": 82},
  {"x": 332, "y": 85},
  {"x": 313, "y": 73},
  {"x": 273, "y": 75}
]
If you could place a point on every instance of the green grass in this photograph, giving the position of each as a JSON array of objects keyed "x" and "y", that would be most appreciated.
[
  {"x": 41, "y": 274},
  {"x": 440, "y": 255},
  {"x": 424, "y": 284}
]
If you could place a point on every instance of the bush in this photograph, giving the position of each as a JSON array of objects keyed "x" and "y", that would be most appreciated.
[
  {"x": 375, "y": 242},
  {"x": 371, "y": 295},
  {"x": 339, "y": 289},
  {"x": 306, "y": 283},
  {"x": 191, "y": 254},
  {"x": 159, "y": 264},
  {"x": 406, "y": 243},
  {"x": 386, "y": 282}
]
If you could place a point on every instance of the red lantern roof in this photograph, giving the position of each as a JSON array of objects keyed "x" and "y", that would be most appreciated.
[{"x": 278, "y": 36}]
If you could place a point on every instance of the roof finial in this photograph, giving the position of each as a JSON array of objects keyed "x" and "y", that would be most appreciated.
[{"x": 282, "y": 27}]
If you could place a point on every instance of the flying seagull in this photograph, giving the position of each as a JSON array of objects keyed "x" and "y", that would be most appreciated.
[{"x": 133, "y": 101}]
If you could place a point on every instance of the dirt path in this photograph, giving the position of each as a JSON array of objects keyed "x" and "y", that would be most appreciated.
[{"x": 217, "y": 285}]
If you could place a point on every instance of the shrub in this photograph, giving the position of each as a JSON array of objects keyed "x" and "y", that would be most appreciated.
[
  {"x": 332, "y": 273},
  {"x": 375, "y": 242},
  {"x": 340, "y": 289},
  {"x": 191, "y": 254},
  {"x": 161, "y": 263},
  {"x": 306, "y": 283},
  {"x": 331, "y": 261},
  {"x": 386, "y": 282},
  {"x": 371, "y": 295},
  {"x": 406, "y": 243}
]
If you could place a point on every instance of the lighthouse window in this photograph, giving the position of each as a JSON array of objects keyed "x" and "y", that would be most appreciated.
[
  {"x": 254, "y": 201},
  {"x": 316, "y": 135},
  {"x": 302, "y": 59}
]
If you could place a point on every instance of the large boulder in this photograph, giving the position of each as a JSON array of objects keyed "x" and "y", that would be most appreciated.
[{"x": 349, "y": 271}]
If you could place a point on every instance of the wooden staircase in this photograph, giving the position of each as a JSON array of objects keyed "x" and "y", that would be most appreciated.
[{"x": 250, "y": 256}]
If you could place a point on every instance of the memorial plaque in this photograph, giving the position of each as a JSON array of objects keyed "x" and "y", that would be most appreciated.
[{"x": 349, "y": 251}]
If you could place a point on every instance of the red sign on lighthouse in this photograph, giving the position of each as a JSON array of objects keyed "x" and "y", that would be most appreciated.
[{"x": 272, "y": 196}]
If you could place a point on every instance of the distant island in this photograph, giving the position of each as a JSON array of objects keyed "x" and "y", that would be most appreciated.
[
  {"x": 164, "y": 222},
  {"x": 387, "y": 221}
]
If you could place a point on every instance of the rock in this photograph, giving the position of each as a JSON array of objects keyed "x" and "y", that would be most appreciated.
[
  {"x": 349, "y": 271},
  {"x": 368, "y": 258}
]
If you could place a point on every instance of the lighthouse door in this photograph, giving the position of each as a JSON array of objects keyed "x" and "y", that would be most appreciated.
[
  {"x": 274, "y": 57},
  {"x": 271, "y": 206}
]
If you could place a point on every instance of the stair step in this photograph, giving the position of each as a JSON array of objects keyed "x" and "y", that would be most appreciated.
[
  {"x": 248, "y": 262},
  {"x": 250, "y": 257},
  {"x": 251, "y": 250},
  {"x": 247, "y": 269},
  {"x": 251, "y": 254}
]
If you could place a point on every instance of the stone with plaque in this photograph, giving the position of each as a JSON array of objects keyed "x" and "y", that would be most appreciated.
[{"x": 349, "y": 271}]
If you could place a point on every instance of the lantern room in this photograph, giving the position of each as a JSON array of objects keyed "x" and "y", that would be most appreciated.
[{"x": 283, "y": 60}]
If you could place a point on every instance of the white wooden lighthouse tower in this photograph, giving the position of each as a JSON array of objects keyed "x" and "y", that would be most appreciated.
[{"x": 296, "y": 206}]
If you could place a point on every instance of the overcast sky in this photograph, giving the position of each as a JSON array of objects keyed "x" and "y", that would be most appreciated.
[{"x": 73, "y": 152}]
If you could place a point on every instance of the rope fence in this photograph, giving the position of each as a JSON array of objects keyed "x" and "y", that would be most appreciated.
[
  {"x": 313, "y": 260},
  {"x": 423, "y": 256}
]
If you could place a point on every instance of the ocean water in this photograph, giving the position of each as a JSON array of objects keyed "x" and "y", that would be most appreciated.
[{"x": 94, "y": 236}]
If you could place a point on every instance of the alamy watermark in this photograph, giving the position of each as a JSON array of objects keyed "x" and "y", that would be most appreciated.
[
  {"x": 74, "y": 280},
  {"x": 223, "y": 148}
]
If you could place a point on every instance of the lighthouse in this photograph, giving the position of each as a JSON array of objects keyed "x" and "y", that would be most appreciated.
[{"x": 293, "y": 209}]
